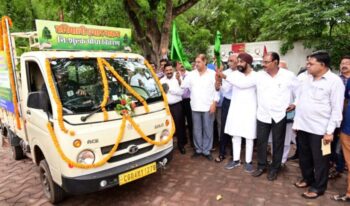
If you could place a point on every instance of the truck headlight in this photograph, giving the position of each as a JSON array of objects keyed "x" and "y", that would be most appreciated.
[
  {"x": 86, "y": 157},
  {"x": 165, "y": 133}
]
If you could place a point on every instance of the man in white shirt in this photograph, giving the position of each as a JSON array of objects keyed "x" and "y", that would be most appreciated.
[
  {"x": 227, "y": 94},
  {"x": 204, "y": 97},
  {"x": 274, "y": 90},
  {"x": 319, "y": 107},
  {"x": 290, "y": 134},
  {"x": 174, "y": 95}
]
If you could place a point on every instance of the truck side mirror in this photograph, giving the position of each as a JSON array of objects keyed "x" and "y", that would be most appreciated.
[
  {"x": 34, "y": 100},
  {"x": 39, "y": 100}
]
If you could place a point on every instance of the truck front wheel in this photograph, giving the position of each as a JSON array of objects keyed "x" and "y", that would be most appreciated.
[
  {"x": 17, "y": 152},
  {"x": 52, "y": 191}
]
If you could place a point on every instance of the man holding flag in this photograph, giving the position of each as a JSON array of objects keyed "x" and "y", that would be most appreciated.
[{"x": 177, "y": 54}]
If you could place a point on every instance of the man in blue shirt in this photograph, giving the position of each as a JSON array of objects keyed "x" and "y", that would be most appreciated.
[{"x": 345, "y": 132}]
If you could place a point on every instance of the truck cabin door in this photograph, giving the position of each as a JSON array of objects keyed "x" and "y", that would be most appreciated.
[{"x": 36, "y": 100}]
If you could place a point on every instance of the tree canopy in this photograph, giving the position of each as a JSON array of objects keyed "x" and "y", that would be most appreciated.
[{"x": 318, "y": 24}]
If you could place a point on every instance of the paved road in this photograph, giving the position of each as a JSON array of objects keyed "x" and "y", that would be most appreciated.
[{"x": 186, "y": 181}]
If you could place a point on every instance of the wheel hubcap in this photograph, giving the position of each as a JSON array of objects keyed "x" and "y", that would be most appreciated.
[{"x": 45, "y": 182}]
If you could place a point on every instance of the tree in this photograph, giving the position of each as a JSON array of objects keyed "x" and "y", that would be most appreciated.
[
  {"x": 318, "y": 24},
  {"x": 238, "y": 21},
  {"x": 151, "y": 20},
  {"x": 21, "y": 13}
]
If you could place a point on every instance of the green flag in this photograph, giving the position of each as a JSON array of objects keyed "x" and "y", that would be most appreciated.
[
  {"x": 177, "y": 52},
  {"x": 217, "y": 46}
]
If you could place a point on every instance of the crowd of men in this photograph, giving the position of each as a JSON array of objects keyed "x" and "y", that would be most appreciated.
[{"x": 256, "y": 105}]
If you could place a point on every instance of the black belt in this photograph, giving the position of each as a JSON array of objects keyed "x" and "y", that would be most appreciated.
[{"x": 175, "y": 103}]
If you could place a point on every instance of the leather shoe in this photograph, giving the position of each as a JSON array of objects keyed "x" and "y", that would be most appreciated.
[
  {"x": 209, "y": 157},
  {"x": 272, "y": 176},
  {"x": 258, "y": 172},
  {"x": 195, "y": 155},
  {"x": 182, "y": 150}
]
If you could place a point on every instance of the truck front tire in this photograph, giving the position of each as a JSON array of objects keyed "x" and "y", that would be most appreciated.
[
  {"x": 17, "y": 152},
  {"x": 52, "y": 191}
]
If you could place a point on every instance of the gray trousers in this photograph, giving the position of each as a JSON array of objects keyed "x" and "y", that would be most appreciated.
[{"x": 203, "y": 123}]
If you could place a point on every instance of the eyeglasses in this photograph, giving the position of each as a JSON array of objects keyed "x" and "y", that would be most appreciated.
[{"x": 267, "y": 62}]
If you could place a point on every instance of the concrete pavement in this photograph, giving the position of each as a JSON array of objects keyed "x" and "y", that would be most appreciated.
[{"x": 186, "y": 181}]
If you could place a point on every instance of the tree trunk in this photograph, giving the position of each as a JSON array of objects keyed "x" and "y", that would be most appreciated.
[
  {"x": 61, "y": 14},
  {"x": 164, "y": 43},
  {"x": 147, "y": 30}
]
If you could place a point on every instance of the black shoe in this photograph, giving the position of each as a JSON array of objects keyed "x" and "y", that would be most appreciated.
[
  {"x": 294, "y": 157},
  {"x": 258, "y": 172},
  {"x": 272, "y": 176},
  {"x": 283, "y": 166},
  {"x": 182, "y": 150},
  {"x": 195, "y": 155},
  {"x": 209, "y": 157}
]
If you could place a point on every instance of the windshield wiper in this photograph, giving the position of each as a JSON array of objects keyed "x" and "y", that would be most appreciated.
[{"x": 84, "y": 118}]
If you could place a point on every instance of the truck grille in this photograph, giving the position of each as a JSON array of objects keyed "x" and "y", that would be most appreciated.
[{"x": 124, "y": 145}]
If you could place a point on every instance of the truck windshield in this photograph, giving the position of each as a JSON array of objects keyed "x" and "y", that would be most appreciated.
[{"x": 80, "y": 85}]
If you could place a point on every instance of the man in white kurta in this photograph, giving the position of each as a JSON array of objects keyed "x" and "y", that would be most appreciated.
[{"x": 241, "y": 118}]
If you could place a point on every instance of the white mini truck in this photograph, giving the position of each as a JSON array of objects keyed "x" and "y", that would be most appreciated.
[{"x": 65, "y": 90}]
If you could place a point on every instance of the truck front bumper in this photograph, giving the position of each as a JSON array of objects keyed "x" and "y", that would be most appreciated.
[{"x": 92, "y": 182}]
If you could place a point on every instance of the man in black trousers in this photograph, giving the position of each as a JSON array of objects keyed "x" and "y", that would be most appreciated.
[
  {"x": 274, "y": 93},
  {"x": 318, "y": 112},
  {"x": 186, "y": 106},
  {"x": 174, "y": 94}
]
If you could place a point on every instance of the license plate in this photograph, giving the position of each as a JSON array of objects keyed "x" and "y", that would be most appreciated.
[{"x": 137, "y": 173}]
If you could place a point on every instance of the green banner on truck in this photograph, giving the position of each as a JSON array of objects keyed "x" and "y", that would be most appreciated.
[
  {"x": 53, "y": 35},
  {"x": 5, "y": 89}
]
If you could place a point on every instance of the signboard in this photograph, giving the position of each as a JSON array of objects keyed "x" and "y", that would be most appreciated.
[
  {"x": 69, "y": 36},
  {"x": 238, "y": 47},
  {"x": 5, "y": 88}
]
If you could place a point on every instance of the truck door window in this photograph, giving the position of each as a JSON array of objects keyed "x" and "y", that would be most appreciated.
[
  {"x": 36, "y": 84},
  {"x": 35, "y": 78}
]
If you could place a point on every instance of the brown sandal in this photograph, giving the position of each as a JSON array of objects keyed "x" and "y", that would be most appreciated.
[
  {"x": 301, "y": 184},
  {"x": 311, "y": 194},
  {"x": 219, "y": 159}
]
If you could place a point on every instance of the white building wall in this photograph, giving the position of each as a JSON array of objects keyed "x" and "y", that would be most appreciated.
[{"x": 295, "y": 58}]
